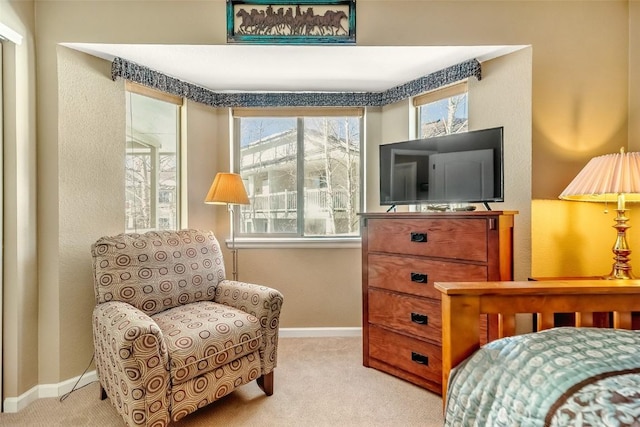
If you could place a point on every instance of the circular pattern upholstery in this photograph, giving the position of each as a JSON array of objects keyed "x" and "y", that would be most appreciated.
[
  {"x": 229, "y": 334},
  {"x": 157, "y": 270},
  {"x": 170, "y": 333}
]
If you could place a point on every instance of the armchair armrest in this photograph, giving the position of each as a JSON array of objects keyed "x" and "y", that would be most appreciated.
[
  {"x": 262, "y": 302},
  {"x": 132, "y": 361}
]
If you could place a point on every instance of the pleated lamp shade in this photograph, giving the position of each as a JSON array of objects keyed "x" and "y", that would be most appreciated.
[
  {"x": 227, "y": 189},
  {"x": 611, "y": 178},
  {"x": 606, "y": 177}
]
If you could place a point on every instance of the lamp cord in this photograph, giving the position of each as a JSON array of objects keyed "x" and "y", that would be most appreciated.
[{"x": 64, "y": 396}]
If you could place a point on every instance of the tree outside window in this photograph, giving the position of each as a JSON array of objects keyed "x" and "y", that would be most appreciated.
[{"x": 443, "y": 112}]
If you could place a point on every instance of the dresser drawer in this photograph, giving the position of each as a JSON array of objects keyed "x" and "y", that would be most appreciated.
[
  {"x": 409, "y": 354},
  {"x": 458, "y": 239},
  {"x": 411, "y": 315},
  {"x": 417, "y": 275}
]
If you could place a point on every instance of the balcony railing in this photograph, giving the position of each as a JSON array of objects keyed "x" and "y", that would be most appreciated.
[{"x": 287, "y": 201}]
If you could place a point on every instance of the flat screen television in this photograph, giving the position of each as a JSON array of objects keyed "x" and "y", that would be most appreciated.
[{"x": 457, "y": 168}]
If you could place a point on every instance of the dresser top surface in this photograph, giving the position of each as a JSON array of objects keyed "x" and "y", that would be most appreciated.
[{"x": 427, "y": 215}]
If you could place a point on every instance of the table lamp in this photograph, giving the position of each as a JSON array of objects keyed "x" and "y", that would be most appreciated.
[
  {"x": 228, "y": 189},
  {"x": 611, "y": 178}
]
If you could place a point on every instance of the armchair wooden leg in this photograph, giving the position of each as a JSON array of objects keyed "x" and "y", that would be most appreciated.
[
  {"x": 265, "y": 382},
  {"x": 103, "y": 393}
]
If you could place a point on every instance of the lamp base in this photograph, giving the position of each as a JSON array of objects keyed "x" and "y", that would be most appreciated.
[
  {"x": 621, "y": 267},
  {"x": 619, "y": 274}
]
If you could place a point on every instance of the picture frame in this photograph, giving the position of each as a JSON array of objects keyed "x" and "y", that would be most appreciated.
[{"x": 291, "y": 22}]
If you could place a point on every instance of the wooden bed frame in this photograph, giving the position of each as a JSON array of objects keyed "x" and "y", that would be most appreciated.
[{"x": 464, "y": 302}]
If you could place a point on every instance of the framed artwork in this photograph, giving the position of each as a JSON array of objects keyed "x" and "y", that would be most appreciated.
[{"x": 291, "y": 22}]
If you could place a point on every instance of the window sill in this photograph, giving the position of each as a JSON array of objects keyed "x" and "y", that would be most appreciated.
[{"x": 295, "y": 243}]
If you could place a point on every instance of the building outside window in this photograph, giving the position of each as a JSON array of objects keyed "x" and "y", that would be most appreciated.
[
  {"x": 443, "y": 111},
  {"x": 302, "y": 172},
  {"x": 152, "y": 160}
]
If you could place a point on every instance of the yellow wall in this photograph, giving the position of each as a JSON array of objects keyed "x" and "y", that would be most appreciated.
[
  {"x": 575, "y": 238},
  {"x": 582, "y": 101},
  {"x": 634, "y": 75}
]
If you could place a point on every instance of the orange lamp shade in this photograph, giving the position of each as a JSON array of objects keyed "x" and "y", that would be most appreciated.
[{"x": 227, "y": 189}]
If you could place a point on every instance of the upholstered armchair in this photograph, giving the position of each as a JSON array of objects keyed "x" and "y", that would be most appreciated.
[{"x": 171, "y": 334}]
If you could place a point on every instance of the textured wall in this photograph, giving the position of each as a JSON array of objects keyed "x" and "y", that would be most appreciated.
[
  {"x": 503, "y": 98},
  {"x": 91, "y": 129}
]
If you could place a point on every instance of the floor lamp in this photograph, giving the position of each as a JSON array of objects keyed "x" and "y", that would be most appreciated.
[
  {"x": 228, "y": 189},
  {"x": 611, "y": 178}
]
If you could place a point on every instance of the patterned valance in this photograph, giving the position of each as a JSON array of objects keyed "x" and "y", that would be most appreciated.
[{"x": 154, "y": 79}]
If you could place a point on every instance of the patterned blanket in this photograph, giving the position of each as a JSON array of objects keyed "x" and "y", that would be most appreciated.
[{"x": 557, "y": 377}]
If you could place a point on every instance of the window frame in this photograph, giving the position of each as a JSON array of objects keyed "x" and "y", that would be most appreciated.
[
  {"x": 439, "y": 94},
  {"x": 138, "y": 89},
  {"x": 297, "y": 240}
]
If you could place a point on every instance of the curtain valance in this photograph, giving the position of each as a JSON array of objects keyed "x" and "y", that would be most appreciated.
[{"x": 154, "y": 79}]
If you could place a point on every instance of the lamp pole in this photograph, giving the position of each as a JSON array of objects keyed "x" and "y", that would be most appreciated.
[{"x": 234, "y": 251}]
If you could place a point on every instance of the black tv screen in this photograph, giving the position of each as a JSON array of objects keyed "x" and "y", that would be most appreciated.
[{"x": 458, "y": 168}]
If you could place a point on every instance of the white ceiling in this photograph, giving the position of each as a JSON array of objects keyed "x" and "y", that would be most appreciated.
[{"x": 288, "y": 68}]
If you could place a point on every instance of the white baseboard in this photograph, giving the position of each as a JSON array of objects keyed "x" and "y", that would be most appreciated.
[
  {"x": 15, "y": 404},
  {"x": 320, "y": 332}
]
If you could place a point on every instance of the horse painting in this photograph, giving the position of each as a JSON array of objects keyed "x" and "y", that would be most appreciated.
[{"x": 281, "y": 22}]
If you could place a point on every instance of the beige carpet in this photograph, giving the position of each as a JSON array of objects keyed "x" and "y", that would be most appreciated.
[{"x": 318, "y": 382}]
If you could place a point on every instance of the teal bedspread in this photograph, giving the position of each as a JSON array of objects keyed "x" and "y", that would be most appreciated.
[{"x": 557, "y": 377}]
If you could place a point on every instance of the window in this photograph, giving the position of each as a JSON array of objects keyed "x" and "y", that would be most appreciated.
[
  {"x": 301, "y": 169},
  {"x": 443, "y": 111},
  {"x": 152, "y": 160}
]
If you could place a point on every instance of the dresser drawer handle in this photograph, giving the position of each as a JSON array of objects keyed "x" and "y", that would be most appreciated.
[
  {"x": 419, "y": 237},
  {"x": 420, "y": 358},
  {"x": 421, "y": 319},
  {"x": 419, "y": 278}
]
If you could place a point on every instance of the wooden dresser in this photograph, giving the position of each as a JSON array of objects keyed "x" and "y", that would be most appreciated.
[{"x": 403, "y": 254}]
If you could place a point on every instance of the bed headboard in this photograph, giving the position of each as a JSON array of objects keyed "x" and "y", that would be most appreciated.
[{"x": 464, "y": 302}]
